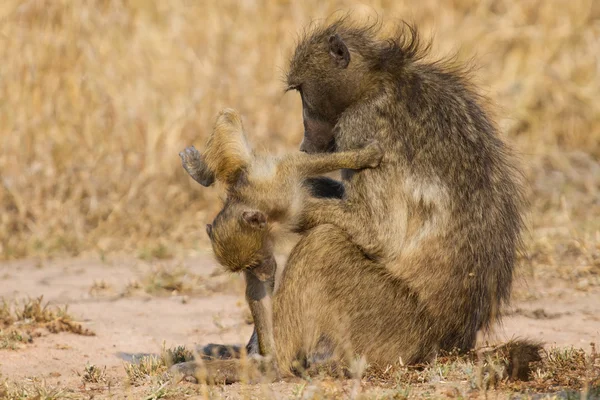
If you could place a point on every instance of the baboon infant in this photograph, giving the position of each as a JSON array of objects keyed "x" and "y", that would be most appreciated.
[{"x": 261, "y": 190}]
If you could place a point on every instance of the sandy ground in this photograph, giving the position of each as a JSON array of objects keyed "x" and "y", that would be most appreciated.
[{"x": 140, "y": 323}]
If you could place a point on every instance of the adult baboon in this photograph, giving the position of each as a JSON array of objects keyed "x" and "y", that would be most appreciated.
[{"x": 443, "y": 208}]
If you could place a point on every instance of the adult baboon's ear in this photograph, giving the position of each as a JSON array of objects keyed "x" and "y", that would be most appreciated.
[
  {"x": 339, "y": 51},
  {"x": 209, "y": 230},
  {"x": 255, "y": 219}
]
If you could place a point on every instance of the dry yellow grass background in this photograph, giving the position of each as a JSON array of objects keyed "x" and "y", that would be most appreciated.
[{"x": 99, "y": 96}]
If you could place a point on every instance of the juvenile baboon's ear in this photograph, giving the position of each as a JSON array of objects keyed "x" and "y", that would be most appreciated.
[
  {"x": 339, "y": 51},
  {"x": 209, "y": 230},
  {"x": 255, "y": 219},
  {"x": 266, "y": 269}
]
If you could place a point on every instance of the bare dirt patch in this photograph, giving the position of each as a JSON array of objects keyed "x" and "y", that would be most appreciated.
[{"x": 129, "y": 325}]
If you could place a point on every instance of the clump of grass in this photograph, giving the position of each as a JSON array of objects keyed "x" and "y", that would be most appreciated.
[
  {"x": 178, "y": 280},
  {"x": 177, "y": 355},
  {"x": 566, "y": 369},
  {"x": 154, "y": 367},
  {"x": 163, "y": 280},
  {"x": 32, "y": 389},
  {"x": 147, "y": 367},
  {"x": 93, "y": 374},
  {"x": 21, "y": 321},
  {"x": 167, "y": 390},
  {"x": 13, "y": 339},
  {"x": 99, "y": 287}
]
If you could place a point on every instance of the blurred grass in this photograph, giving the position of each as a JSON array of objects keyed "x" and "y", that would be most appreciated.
[{"x": 99, "y": 96}]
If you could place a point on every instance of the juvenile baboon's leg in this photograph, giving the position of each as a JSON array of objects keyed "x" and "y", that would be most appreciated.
[
  {"x": 226, "y": 154},
  {"x": 308, "y": 165}
]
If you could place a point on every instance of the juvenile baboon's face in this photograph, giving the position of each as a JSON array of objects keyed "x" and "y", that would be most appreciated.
[
  {"x": 238, "y": 237},
  {"x": 320, "y": 73}
]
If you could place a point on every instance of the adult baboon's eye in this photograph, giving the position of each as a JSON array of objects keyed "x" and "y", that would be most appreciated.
[{"x": 297, "y": 88}]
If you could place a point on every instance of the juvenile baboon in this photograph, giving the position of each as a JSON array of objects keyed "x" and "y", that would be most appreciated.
[
  {"x": 444, "y": 207},
  {"x": 261, "y": 190}
]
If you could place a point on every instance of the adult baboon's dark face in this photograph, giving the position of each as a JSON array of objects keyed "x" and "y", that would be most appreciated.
[
  {"x": 318, "y": 129},
  {"x": 319, "y": 72}
]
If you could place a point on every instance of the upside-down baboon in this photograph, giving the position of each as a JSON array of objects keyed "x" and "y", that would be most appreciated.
[
  {"x": 261, "y": 190},
  {"x": 445, "y": 206}
]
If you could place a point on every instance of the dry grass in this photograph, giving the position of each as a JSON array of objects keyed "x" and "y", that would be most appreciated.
[
  {"x": 21, "y": 321},
  {"x": 33, "y": 389},
  {"x": 99, "y": 96},
  {"x": 154, "y": 367},
  {"x": 177, "y": 280},
  {"x": 93, "y": 374}
]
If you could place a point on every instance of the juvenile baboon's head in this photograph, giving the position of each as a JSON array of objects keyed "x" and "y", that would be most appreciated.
[{"x": 240, "y": 239}]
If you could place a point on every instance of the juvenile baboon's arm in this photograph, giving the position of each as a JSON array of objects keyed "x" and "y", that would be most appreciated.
[
  {"x": 258, "y": 296},
  {"x": 307, "y": 165},
  {"x": 338, "y": 212}
]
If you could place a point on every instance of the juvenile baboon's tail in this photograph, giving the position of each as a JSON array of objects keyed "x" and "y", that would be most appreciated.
[{"x": 250, "y": 370}]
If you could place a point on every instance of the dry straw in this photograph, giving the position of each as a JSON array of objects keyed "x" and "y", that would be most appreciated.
[{"x": 99, "y": 96}]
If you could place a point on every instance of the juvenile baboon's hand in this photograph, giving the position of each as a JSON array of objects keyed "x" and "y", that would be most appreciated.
[
  {"x": 371, "y": 155},
  {"x": 191, "y": 159},
  {"x": 192, "y": 162}
]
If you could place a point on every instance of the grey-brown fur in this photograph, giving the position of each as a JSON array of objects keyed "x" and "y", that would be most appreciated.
[{"x": 444, "y": 207}]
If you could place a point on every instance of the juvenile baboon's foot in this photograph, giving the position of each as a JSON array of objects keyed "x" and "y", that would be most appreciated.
[
  {"x": 371, "y": 155},
  {"x": 193, "y": 163},
  {"x": 229, "y": 116}
]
